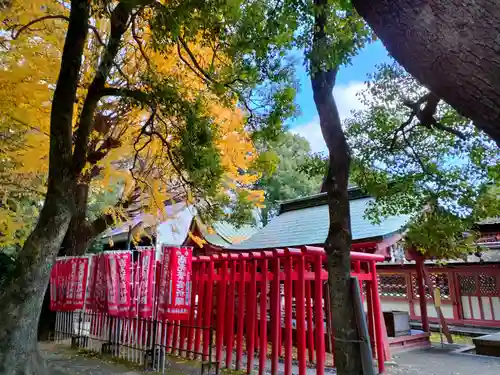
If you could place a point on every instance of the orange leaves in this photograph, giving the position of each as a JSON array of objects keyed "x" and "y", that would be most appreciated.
[
  {"x": 117, "y": 161},
  {"x": 196, "y": 239}
]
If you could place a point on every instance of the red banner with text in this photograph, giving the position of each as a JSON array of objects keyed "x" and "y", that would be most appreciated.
[
  {"x": 142, "y": 285},
  {"x": 68, "y": 281},
  {"x": 174, "y": 298},
  {"x": 110, "y": 283}
]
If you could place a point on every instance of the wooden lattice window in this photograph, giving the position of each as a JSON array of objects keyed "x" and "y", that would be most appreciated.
[
  {"x": 439, "y": 280},
  {"x": 468, "y": 285},
  {"x": 488, "y": 285},
  {"x": 392, "y": 285}
]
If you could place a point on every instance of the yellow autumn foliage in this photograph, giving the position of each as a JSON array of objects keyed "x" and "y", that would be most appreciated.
[{"x": 29, "y": 68}]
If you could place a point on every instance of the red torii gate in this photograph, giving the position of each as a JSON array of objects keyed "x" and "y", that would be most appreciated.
[{"x": 242, "y": 287}]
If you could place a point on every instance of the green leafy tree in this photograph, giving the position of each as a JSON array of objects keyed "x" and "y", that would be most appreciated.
[
  {"x": 420, "y": 157},
  {"x": 288, "y": 180}
]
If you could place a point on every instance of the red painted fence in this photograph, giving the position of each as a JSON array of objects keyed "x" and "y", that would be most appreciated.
[
  {"x": 259, "y": 305},
  {"x": 470, "y": 293},
  {"x": 240, "y": 295}
]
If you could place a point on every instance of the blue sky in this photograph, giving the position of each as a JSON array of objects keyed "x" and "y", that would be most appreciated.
[{"x": 350, "y": 80}]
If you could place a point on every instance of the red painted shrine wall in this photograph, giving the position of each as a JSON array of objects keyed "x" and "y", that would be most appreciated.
[{"x": 470, "y": 293}]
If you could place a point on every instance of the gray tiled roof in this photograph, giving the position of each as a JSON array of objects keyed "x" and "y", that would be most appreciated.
[
  {"x": 491, "y": 220},
  {"x": 309, "y": 226}
]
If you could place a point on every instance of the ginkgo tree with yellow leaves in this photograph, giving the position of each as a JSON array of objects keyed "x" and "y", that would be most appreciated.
[
  {"x": 142, "y": 175},
  {"x": 161, "y": 99}
]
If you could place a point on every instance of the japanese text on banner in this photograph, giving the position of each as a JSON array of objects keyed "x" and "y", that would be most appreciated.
[{"x": 175, "y": 284}]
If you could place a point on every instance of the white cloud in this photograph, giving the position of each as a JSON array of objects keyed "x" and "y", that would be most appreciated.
[{"x": 347, "y": 101}]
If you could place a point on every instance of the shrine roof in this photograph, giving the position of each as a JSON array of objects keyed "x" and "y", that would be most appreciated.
[
  {"x": 490, "y": 220},
  {"x": 174, "y": 230},
  {"x": 224, "y": 234},
  {"x": 305, "y": 221}
]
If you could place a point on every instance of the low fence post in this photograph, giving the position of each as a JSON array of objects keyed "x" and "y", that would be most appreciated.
[
  {"x": 241, "y": 311},
  {"x": 221, "y": 307},
  {"x": 208, "y": 309},
  {"x": 230, "y": 310}
]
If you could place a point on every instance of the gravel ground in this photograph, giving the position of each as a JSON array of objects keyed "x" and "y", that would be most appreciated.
[{"x": 64, "y": 361}]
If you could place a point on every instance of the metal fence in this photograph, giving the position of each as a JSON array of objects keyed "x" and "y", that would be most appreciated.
[{"x": 147, "y": 342}]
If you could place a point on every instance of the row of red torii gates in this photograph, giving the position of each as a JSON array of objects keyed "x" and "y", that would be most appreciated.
[
  {"x": 248, "y": 296},
  {"x": 259, "y": 305}
]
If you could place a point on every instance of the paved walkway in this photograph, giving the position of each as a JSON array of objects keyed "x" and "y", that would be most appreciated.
[
  {"x": 439, "y": 362},
  {"x": 63, "y": 361}
]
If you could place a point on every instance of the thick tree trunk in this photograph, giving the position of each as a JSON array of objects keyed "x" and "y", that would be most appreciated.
[
  {"x": 76, "y": 242},
  {"x": 79, "y": 234},
  {"x": 23, "y": 290},
  {"x": 22, "y": 294},
  {"x": 451, "y": 47}
]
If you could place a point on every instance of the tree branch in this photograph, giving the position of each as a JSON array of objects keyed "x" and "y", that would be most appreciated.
[
  {"x": 202, "y": 73},
  {"x": 195, "y": 62},
  {"x": 97, "y": 35},
  {"x": 400, "y": 129},
  {"x": 448, "y": 129},
  {"x": 138, "y": 95},
  {"x": 149, "y": 123},
  {"x": 65, "y": 92},
  {"x": 103, "y": 150},
  {"x": 425, "y": 116},
  {"x": 415, "y": 154},
  {"x": 195, "y": 71},
  {"x": 119, "y": 23},
  {"x": 100, "y": 224},
  {"x": 25, "y": 27},
  {"x": 15, "y": 34},
  {"x": 138, "y": 40}
]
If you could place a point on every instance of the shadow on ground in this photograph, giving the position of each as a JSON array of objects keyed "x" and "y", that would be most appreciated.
[
  {"x": 434, "y": 361},
  {"x": 65, "y": 361}
]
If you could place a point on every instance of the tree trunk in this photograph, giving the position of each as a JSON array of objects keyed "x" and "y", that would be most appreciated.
[
  {"x": 338, "y": 243},
  {"x": 23, "y": 290},
  {"x": 22, "y": 294},
  {"x": 79, "y": 235},
  {"x": 76, "y": 242},
  {"x": 451, "y": 47}
]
